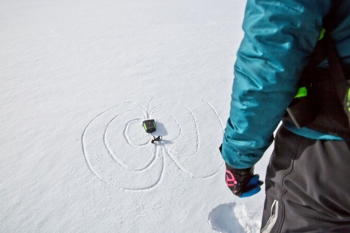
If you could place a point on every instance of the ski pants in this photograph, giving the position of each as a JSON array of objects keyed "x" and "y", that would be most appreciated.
[{"x": 307, "y": 185}]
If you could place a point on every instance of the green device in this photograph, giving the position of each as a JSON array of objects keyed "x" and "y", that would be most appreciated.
[{"x": 149, "y": 125}]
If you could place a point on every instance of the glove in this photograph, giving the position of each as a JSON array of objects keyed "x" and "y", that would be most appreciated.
[{"x": 242, "y": 182}]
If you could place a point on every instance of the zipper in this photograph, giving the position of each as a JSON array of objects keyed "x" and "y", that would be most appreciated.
[{"x": 273, "y": 218}]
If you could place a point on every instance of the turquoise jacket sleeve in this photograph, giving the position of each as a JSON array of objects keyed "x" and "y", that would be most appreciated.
[{"x": 279, "y": 36}]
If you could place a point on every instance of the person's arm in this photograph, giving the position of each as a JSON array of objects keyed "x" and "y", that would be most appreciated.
[{"x": 279, "y": 37}]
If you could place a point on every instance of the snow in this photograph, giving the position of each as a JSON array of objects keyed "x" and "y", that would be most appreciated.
[{"x": 77, "y": 80}]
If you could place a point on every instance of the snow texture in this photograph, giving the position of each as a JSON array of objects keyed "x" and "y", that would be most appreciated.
[
  {"x": 230, "y": 218},
  {"x": 77, "y": 80}
]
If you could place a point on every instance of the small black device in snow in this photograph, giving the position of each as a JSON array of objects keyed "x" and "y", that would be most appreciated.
[{"x": 150, "y": 127}]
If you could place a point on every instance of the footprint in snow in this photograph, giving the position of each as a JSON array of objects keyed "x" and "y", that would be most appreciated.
[{"x": 233, "y": 218}]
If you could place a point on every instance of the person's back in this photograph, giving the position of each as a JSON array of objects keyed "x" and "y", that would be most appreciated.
[{"x": 306, "y": 178}]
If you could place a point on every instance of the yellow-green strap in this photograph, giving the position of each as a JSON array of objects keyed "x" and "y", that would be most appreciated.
[
  {"x": 323, "y": 31},
  {"x": 348, "y": 100},
  {"x": 302, "y": 92}
]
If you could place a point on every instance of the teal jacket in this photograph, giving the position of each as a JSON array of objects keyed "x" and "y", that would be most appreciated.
[{"x": 279, "y": 36}]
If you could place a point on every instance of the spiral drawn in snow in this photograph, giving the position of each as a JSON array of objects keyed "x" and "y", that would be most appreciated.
[{"x": 118, "y": 150}]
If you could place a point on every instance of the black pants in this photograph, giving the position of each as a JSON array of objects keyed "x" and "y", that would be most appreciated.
[{"x": 307, "y": 185}]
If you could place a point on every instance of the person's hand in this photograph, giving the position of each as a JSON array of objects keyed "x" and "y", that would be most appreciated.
[{"x": 242, "y": 182}]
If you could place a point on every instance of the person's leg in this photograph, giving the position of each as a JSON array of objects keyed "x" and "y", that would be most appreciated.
[{"x": 307, "y": 185}]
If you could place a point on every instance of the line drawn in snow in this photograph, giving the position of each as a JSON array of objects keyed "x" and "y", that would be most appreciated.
[{"x": 117, "y": 150}]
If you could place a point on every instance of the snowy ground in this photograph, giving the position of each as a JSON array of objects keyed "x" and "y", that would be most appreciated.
[{"x": 76, "y": 80}]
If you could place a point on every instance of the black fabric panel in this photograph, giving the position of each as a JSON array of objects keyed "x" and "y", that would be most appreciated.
[{"x": 310, "y": 179}]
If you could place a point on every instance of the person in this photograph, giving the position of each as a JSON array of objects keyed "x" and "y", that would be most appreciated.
[{"x": 307, "y": 188}]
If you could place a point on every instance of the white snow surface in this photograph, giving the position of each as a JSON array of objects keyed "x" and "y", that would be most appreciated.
[{"x": 78, "y": 77}]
